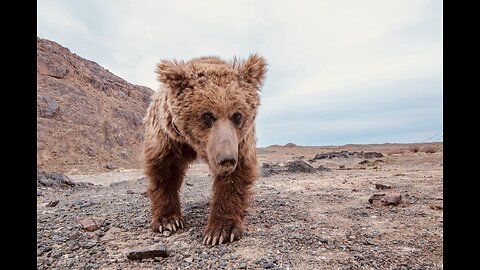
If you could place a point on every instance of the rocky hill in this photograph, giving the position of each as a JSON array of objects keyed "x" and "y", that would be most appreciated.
[{"x": 88, "y": 119}]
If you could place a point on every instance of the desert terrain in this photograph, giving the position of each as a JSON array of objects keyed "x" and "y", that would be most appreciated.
[{"x": 308, "y": 219}]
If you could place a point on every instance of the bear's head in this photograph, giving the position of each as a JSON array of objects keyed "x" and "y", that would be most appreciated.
[{"x": 213, "y": 104}]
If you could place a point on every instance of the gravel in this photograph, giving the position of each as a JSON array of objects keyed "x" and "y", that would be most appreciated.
[{"x": 296, "y": 221}]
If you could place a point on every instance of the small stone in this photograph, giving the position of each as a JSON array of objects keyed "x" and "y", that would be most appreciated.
[
  {"x": 189, "y": 259},
  {"x": 368, "y": 242},
  {"x": 166, "y": 233},
  {"x": 297, "y": 236},
  {"x": 267, "y": 265},
  {"x": 392, "y": 198},
  {"x": 52, "y": 203},
  {"x": 89, "y": 244},
  {"x": 89, "y": 224},
  {"x": 85, "y": 204},
  {"x": 323, "y": 240},
  {"x": 110, "y": 167},
  {"x": 153, "y": 251},
  {"x": 242, "y": 265},
  {"x": 130, "y": 191},
  {"x": 436, "y": 207},
  {"x": 382, "y": 186}
]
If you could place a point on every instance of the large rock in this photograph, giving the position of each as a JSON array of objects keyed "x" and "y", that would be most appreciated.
[
  {"x": 295, "y": 166},
  {"x": 53, "y": 179},
  {"x": 57, "y": 180},
  {"x": 299, "y": 166}
]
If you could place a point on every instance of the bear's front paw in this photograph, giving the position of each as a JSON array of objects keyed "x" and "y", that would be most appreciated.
[
  {"x": 223, "y": 232},
  {"x": 171, "y": 223}
]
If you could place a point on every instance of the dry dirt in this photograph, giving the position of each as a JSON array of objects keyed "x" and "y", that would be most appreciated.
[{"x": 319, "y": 220}]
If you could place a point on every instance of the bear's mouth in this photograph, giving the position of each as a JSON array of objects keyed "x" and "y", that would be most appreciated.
[{"x": 226, "y": 170}]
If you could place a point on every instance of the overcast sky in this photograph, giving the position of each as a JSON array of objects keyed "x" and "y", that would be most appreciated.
[{"x": 339, "y": 72}]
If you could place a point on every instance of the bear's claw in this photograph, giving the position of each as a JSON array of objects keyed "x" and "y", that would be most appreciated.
[
  {"x": 172, "y": 224},
  {"x": 222, "y": 235}
]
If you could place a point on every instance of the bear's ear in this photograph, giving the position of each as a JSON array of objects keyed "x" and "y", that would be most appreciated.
[
  {"x": 253, "y": 70},
  {"x": 173, "y": 74}
]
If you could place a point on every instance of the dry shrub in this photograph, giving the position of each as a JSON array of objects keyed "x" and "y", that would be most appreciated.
[
  {"x": 415, "y": 148},
  {"x": 395, "y": 152},
  {"x": 429, "y": 149}
]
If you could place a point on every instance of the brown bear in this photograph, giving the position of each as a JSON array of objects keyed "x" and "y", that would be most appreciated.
[{"x": 205, "y": 108}]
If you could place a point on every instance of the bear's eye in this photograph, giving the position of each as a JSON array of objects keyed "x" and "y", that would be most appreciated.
[
  {"x": 208, "y": 119},
  {"x": 237, "y": 118}
]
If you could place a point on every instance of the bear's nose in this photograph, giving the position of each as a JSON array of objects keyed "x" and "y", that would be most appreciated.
[{"x": 227, "y": 161}]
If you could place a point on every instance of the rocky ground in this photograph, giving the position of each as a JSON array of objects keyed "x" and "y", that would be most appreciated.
[{"x": 320, "y": 219}]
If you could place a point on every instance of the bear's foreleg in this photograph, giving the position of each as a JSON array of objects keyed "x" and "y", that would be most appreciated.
[
  {"x": 229, "y": 205},
  {"x": 165, "y": 168}
]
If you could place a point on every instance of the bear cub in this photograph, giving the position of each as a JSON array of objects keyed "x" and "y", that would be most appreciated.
[{"x": 205, "y": 108}]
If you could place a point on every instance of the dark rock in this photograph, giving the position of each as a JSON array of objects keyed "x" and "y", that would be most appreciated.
[
  {"x": 53, "y": 203},
  {"x": 299, "y": 166},
  {"x": 157, "y": 250},
  {"x": 369, "y": 155},
  {"x": 269, "y": 169},
  {"x": 85, "y": 204},
  {"x": 322, "y": 168},
  {"x": 130, "y": 191},
  {"x": 382, "y": 186},
  {"x": 290, "y": 167},
  {"x": 347, "y": 154},
  {"x": 110, "y": 167},
  {"x": 323, "y": 156},
  {"x": 267, "y": 265},
  {"x": 54, "y": 179}
]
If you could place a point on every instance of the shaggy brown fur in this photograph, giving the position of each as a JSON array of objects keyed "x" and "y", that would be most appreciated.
[{"x": 205, "y": 108}]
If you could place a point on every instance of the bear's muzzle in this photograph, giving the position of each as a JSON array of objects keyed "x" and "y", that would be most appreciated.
[{"x": 222, "y": 147}]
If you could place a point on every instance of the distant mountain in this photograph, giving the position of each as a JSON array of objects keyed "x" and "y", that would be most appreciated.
[{"x": 88, "y": 119}]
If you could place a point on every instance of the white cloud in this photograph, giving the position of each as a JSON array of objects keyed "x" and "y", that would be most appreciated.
[{"x": 320, "y": 53}]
